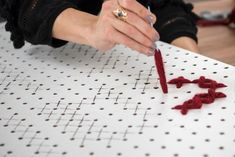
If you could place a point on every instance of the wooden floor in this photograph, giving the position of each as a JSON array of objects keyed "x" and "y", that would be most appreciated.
[{"x": 217, "y": 42}]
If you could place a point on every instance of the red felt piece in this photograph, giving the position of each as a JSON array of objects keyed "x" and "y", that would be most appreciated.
[
  {"x": 160, "y": 70},
  {"x": 179, "y": 81}
]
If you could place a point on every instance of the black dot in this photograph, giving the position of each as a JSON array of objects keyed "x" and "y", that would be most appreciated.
[
  {"x": 163, "y": 147},
  {"x": 119, "y": 154},
  {"x": 191, "y": 147},
  {"x": 221, "y": 147},
  {"x": 135, "y": 147},
  {"x": 9, "y": 152},
  {"x": 64, "y": 153}
]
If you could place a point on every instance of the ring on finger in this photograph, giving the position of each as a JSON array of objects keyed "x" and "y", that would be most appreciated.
[{"x": 120, "y": 14}]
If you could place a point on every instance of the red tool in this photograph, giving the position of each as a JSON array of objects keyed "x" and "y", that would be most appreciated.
[
  {"x": 159, "y": 63},
  {"x": 160, "y": 69}
]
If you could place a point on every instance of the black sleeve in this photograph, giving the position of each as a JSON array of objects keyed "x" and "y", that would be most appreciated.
[
  {"x": 32, "y": 20},
  {"x": 174, "y": 19}
]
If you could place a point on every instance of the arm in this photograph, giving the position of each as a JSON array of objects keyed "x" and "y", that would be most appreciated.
[
  {"x": 176, "y": 23},
  {"x": 186, "y": 43},
  {"x": 73, "y": 25}
]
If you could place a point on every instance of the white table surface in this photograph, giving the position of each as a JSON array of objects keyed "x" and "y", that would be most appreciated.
[{"x": 76, "y": 101}]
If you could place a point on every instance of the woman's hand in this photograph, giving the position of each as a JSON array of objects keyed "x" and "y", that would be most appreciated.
[
  {"x": 105, "y": 31},
  {"x": 136, "y": 32}
]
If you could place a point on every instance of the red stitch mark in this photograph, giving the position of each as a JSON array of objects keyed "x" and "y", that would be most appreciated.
[
  {"x": 208, "y": 98},
  {"x": 160, "y": 70},
  {"x": 201, "y": 98},
  {"x": 190, "y": 104},
  {"x": 208, "y": 83},
  {"x": 179, "y": 81}
]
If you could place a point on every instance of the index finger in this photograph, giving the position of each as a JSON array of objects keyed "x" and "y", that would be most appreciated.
[{"x": 137, "y": 8}]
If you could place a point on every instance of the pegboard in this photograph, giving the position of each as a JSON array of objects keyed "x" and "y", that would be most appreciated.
[{"x": 76, "y": 101}]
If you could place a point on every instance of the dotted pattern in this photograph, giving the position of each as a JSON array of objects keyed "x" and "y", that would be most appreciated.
[{"x": 76, "y": 101}]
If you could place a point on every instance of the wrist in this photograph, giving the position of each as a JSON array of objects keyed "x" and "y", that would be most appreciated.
[{"x": 74, "y": 26}]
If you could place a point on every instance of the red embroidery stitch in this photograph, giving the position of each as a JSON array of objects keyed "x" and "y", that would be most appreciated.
[
  {"x": 194, "y": 103},
  {"x": 179, "y": 81},
  {"x": 208, "y": 83},
  {"x": 201, "y": 98},
  {"x": 208, "y": 98},
  {"x": 160, "y": 70}
]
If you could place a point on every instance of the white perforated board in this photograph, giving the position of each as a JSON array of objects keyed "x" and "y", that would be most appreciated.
[{"x": 76, "y": 101}]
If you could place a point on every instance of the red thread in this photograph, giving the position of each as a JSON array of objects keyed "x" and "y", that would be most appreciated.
[
  {"x": 179, "y": 81},
  {"x": 199, "y": 99},
  {"x": 160, "y": 70}
]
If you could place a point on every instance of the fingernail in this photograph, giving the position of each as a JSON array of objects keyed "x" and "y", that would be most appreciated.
[
  {"x": 149, "y": 18},
  {"x": 154, "y": 46},
  {"x": 156, "y": 37},
  {"x": 150, "y": 52}
]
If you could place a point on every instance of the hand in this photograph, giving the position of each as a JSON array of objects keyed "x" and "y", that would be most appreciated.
[{"x": 135, "y": 33}]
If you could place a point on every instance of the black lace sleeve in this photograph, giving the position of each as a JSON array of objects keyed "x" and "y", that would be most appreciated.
[
  {"x": 174, "y": 19},
  {"x": 32, "y": 20}
]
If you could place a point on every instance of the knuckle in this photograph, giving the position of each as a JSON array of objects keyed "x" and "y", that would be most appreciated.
[
  {"x": 106, "y": 5},
  {"x": 125, "y": 3},
  {"x": 144, "y": 12},
  {"x": 106, "y": 17}
]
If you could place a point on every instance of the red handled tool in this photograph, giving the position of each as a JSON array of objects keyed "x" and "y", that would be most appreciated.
[{"x": 160, "y": 66}]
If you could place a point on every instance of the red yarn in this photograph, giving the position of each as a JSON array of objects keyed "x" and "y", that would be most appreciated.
[
  {"x": 210, "y": 97},
  {"x": 190, "y": 104},
  {"x": 160, "y": 70},
  {"x": 179, "y": 81},
  {"x": 199, "y": 99},
  {"x": 208, "y": 83}
]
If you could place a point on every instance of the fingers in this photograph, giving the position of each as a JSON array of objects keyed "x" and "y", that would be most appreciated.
[
  {"x": 142, "y": 26},
  {"x": 118, "y": 37},
  {"x": 133, "y": 33},
  {"x": 137, "y": 8}
]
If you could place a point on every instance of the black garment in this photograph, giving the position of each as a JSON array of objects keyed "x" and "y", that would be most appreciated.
[{"x": 32, "y": 20}]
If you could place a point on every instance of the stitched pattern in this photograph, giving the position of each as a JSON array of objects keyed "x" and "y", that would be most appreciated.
[{"x": 199, "y": 99}]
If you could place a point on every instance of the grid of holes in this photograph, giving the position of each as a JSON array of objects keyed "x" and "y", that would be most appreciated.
[{"x": 55, "y": 78}]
